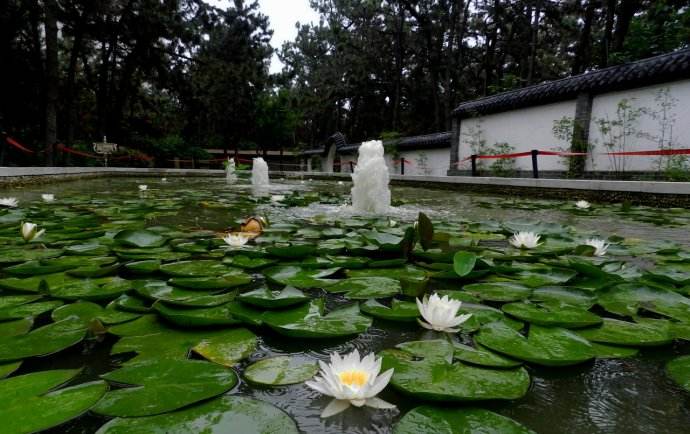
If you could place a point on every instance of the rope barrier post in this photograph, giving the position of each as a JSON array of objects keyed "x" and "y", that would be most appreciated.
[
  {"x": 352, "y": 167},
  {"x": 535, "y": 166},
  {"x": 474, "y": 165},
  {"x": 402, "y": 166}
]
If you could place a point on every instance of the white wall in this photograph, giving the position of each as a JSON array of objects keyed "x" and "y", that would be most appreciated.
[
  {"x": 524, "y": 129},
  {"x": 605, "y": 106}
]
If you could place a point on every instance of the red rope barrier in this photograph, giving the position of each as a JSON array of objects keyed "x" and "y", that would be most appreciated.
[
  {"x": 62, "y": 148},
  {"x": 563, "y": 154},
  {"x": 16, "y": 144},
  {"x": 654, "y": 152}
]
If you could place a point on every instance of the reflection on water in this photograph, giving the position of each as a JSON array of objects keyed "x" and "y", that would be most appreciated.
[{"x": 605, "y": 396}]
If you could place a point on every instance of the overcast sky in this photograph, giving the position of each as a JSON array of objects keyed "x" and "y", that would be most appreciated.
[{"x": 283, "y": 14}]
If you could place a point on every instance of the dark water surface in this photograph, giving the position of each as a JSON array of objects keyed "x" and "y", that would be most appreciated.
[{"x": 632, "y": 395}]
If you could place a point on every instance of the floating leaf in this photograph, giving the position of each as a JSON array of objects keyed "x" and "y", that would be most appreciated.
[
  {"x": 298, "y": 277},
  {"x": 464, "y": 262},
  {"x": 679, "y": 370},
  {"x": 548, "y": 346},
  {"x": 139, "y": 238},
  {"x": 280, "y": 371},
  {"x": 227, "y": 414},
  {"x": 424, "y": 370},
  {"x": 366, "y": 287},
  {"x": 42, "y": 341},
  {"x": 552, "y": 314},
  {"x": 309, "y": 321},
  {"x": 28, "y": 402},
  {"x": 625, "y": 333},
  {"x": 498, "y": 291},
  {"x": 264, "y": 297},
  {"x": 197, "y": 317},
  {"x": 428, "y": 419},
  {"x": 398, "y": 311},
  {"x": 163, "y": 385}
]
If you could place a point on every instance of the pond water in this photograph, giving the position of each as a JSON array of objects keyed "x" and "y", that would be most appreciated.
[{"x": 110, "y": 244}]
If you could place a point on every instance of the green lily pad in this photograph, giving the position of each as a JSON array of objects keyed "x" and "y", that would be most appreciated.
[
  {"x": 16, "y": 327},
  {"x": 42, "y": 341},
  {"x": 226, "y": 414},
  {"x": 8, "y": 368},
  {"x": 157, "y": 290},
  {"x": 200, "y": 268},
  {"x": 148, "y": 266},
  {"x": 363, "y": 288},
  {"x": 36, "y": 268},
  {"x": 498, "y": 291},
  {"x": 679, "y": 370},
  {"x": 225, "y": 346},
  {"x": 558, "y": 294},
  {"x": 552, "y": 314},
  {"x": 299, "y": 277},
  {"x": 309, "y": 321},
  {"x": 131, "y": 303},
  {"x": 246, "y": 262},
  {"x": 291, "y": 251},
  {"x": 617, "y": 332},
  {"x": 281, "y": 371},
  {"x": 264, "y": 297},
  {"x": 87, "y": 311},
  {"x": 103, "y": 288},
  {"x": 14, "y": 255},
  {"x": 139, "y": 238},
  {"x": 197, "y": 317},
  {"x": 163, "y": 385},
  {"x": 482, "y": 356},
  {"x": 225, "y": 281},
  {"x": 28, "y": 309},
  {"x": 424, "y": 369},
  {"x": 628, "y": 299},
  {"x": 548, "y": 346},
  {"x": 464, "y": 262},
  {"x": 28, "y": 402},
  {"x": 33, "y": 284},
  {"x": 399, "y": 310},
  {"x": 428, "y": 419}
]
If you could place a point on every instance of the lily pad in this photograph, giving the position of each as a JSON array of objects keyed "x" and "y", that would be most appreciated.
[
  {"x": 139, "y": 238},
  {"x": 309, "y": 321},
  {"x": 264, "y": 297},
  {"x": 366, "y": 287},
  {"x": 104, "y": 288},
  {"x": 464, "y": 262},
  {"x": 424, "y": 369},
  {"x": 163, "y": 385},
  {"x": 482, "y": 356},
  {"x": 197, "y": 317},
  {"x": 552, "y": 314},
  {"x": 498, "y": 291},
  {"x": 28, "y": 402},
  {"x": 87, "y": 311},
  {"x": 617, "y": 332},
  {"x": 220, "y": 415},
  {"x": 199, "y": 268},
  {"x": 399, "y": 310},
  {"x": 299, "y": 277},
  {"x": 548, "y": 346},
  {"x": 42, "y": 341},
  {"x": 428, "y": 419},
  {"x": 28, "y": 309},
  {"x": 157, "y": 290},
  {"x": 281, "y": 371},
  {"x": 679, "y": 370},
  {"x": 246, "y": 262}
]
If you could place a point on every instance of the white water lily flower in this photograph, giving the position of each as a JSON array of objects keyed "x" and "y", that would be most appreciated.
[
  {"x": 351, "y": 381},
  {"x": 525, "y": 240},
  {"x": 600, "y": 246},
  {"x": 277, "y": 197},
  {"x": 582, "y": 204},
  {"x": 164, "y": 179},
  {"x": 341, "y": 183},
  {"x": 48, "y": 197},
  {"x": 143, "y": 187},
  {"x": 235, "y": 240},
  {"x": 441, "y": 314},
  {"x": 9, "y": 202},
  {"x": 30, "y": 232}
]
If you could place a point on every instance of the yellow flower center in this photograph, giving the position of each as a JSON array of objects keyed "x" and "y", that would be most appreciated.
[{"x": 353, "y": 378}]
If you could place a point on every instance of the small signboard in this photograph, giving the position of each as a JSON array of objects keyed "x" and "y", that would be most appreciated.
[{"x": 104, "y": 148}]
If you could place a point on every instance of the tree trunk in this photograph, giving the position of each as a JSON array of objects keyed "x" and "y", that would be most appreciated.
[
  {"x": 584, "y": 47},
  {"x": 608, "y": 31},
  {"x": 51, "y": 78},
  {"x": 533, "y": 43},
  {"x": 626, "y": 11}
]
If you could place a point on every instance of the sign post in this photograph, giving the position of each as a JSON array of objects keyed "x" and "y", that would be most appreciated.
[{"x": 104, "y": 148}]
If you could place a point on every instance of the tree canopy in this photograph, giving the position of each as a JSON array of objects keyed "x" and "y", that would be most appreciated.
[{"x": 172, "y": 77}]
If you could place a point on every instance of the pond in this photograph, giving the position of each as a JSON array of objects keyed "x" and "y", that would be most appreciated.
[{"x": 131, "y": 305}]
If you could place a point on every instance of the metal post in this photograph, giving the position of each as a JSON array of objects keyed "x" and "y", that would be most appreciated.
[
  {"x": 402, "y": 166},
  {"x": 474, "y": 165},
  {"x": 352, "y": 167},
  {"x": 535, "y": 167}
]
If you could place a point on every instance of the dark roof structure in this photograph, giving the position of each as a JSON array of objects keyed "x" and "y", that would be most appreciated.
[
  {"x": 645, "y": 72},
  {"x": 425, "y": 141}
]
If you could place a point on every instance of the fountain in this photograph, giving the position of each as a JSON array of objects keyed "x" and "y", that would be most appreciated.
[
  {"x": 370, "y": 178},
  {"x": 230, "y": 170},
  {"x": 260, "y": 181}
]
